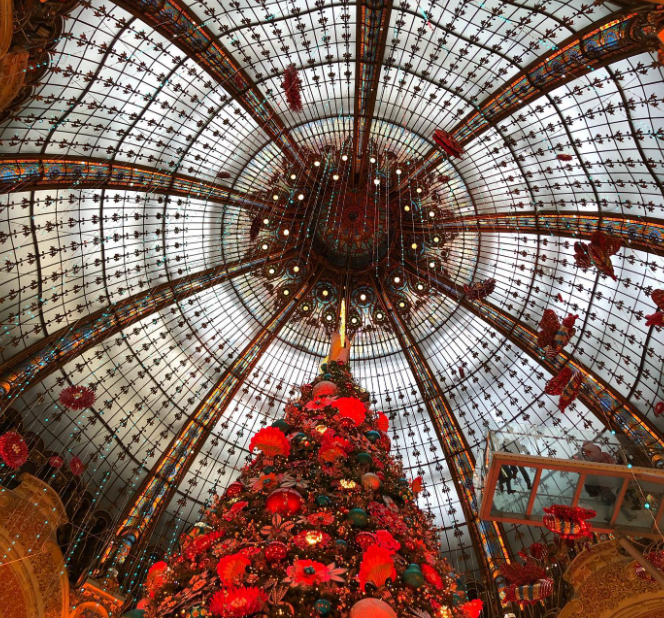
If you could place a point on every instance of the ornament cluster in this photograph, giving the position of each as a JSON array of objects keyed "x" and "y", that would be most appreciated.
[{"x": 321, "y": 522}]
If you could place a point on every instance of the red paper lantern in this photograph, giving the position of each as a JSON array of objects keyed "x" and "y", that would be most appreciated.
[
  {"x": 284, "y": 501},
  {"x": 77, "y": 397},
  {"x": 13, "y": 449},
  {"x": 276, "y": 552},
  {"x": 76, "y": 466}
]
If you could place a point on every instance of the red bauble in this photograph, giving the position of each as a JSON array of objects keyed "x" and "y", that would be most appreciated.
[
  {"x": 659, "y": 408},
  {"x": 76, "y": 466},
  {"x": 13, "y": 449},
  {"x": 234, "y": 490},
  {"x": 56, "y": 461},
  {"x": 77, "y": 397},
  {"x": 284, "y": 501},
  {"x": 276, "y": 552},
  {"x": 365, "y": 540}
]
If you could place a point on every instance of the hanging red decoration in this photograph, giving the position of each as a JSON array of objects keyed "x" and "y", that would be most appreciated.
[
  {"x": 530, "y": 594},
  {"x": 382, "y": 422},
  {"x": 223, "y": 175},
  {"x": 447, "y": 143},
  {"x": 479, "y": 290},
  {"x": 76, "y": 466},
  {"x": 554, "y": 335},
  {"x": 656, "y": 558},
  {"x": 659, "y": 408},
  {"x": 568, "y": 522},
  {"x": 77, "y": 397},
  {"x": 292, "y": 86},
  {"x": 55, "y": 461},
  {"x": 271, "y": 442},
  {"x": 564, "y": 157},
  {"x": 351, "y": 408},
  {"x": 13, "y": 449},
  {"x": 657, "y": 318},
  {"x": 557, "y": 384},
  {"x": 571, "y": 391},
  {"x": 284, "y": 501},
  {"x": 598, "y": 253}
]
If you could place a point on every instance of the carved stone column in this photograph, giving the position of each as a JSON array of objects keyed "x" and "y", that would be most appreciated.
[
  {"x": 33, "y": 579},
  {"x": 606, "y": 586}
]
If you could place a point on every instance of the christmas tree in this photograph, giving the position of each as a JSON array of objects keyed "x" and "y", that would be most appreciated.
[{"x": 320, "y": 523}]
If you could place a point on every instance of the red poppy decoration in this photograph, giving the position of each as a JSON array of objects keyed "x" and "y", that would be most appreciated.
[
  {"x": 377, "y": 567},
  {"x": 77, "y": 397},
  {"x": 292, "y": 86},
  {"x": 447, "y": 143},
  {"x": 76, "y": 466},
  {"x": 568, "y": 522},
  {"x": 271, "y": 442},
  {"x": 13, "y": 449},
  {"x": 231, "y": 569},
  {"x": 237, "y": 602},
  {"x": 55, "y": 461},
  {"x": 472, "y": 609},
  {"x": 351, "y": 408}
]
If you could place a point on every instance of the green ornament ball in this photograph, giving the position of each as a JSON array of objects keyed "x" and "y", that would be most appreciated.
[
  {"x": 323, "y": 500},
  {"x": 268, "y": 469},
  {"x": 413, "y": 576},
  {"x": 403, "y": 482},
  {"x": 372, "y": 436},
  {"x": 341, "y": 544},
  {"x": 327, "y": 376},
  {"x": 134, "y": 613},
  {"x": 282, "y": 424},
  {"x": 406, "y": 494},
  {"x": 323, "y": 607},
  {"x": 358, "y": 517},
  {"x": 364, "y": 458}
]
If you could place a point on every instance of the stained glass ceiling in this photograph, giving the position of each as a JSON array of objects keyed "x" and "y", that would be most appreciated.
[{"x": 127, "y": 87}]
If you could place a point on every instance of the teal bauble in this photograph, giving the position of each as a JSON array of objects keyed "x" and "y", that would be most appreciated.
[
  {"x": 413, "y": 576},
  {"x": 323, "y": 367},
  {"x": 134, "y": 613},
  {"x": 372, "y": 436},
  {"x": 323, "y": 500},
  {"x": 358, "y": 517},
  {"x": 341, "y": 544},
  {"x": 282, "y": 424},
  {"x": 268, "y": 469},
  {"x": 299, "y": 437},
  {"x": 323, "y": 607},
  {"x": 406, "y": 494},
  {"x": 364, "y": 458},
  {"x": 327, "y": 376},
  {"x": 403, "y": 482}
]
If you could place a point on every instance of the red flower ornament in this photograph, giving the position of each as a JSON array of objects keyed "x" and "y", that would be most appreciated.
[
  {"x": 77, "y": 397},
  {"x": 76, "y": 466},
  {"x": 351, "y": 408},
  {"x": 237, "y": 602},
  {"x": 13, "y": 449},
  {"x": 271, "y": 442}
]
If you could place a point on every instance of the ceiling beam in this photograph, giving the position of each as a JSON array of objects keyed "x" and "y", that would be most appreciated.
[
  {"x": 489, "y": 541},
  {"x": 41, "y": 359},
  {"x": 134, "y": 527},
  {"x": 373, "y": 20},
  {"x": 599, "y": 397},
  {"x": 179, "y": 25},
  {"x": 35, "y": 172},
  {"x": 639, "y": 233},
  {"x": 616, "y": 37}
]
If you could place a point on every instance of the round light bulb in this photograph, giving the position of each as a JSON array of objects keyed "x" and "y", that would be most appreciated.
[
  {"x": 399, "y": 172},
  {"x": 372, "y": 159},
  {"x": 296, "y": 269},
  {"x": 406, "y": 208},
  {"x": 420, "y": 287},
  {"x": 344, "y": 158},
  {"x": 266, "y": 221},
  {"x": 317, "y": 163},
  {"x": 305, "y": 308},
  {"x": 353, "y": 320},
  {"x": 286, "y": 292},
  {"x": 363, "y": 297},
  {"x": 286, "y": 232},
  {"x": 271, "y": 271},
  {"x": 418, "y": 190},
  {"x": 432, "y": 264},
  {"x": 264, "y": 247},
  {"x": 376, "y": 181},
  {"x": 414, "y": 246},
  {"x": 293, "y": 176},
  {"x": 379, "y": 315},
  {"x": 335, "y": 177},
  {"x": 402, "y": 304},
  {"x": 275, "y": 197},
  {"x": 436, "y": 239},
  {"x": 300, "y": 197},
  {"x": 326, "y": 293},
  {"x": 397, "y": 280},
  {"x": 432, "y": 214},
  {"x": 328, "y": 318}
]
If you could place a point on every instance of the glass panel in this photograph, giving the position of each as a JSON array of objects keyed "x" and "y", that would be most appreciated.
[
  {"x": 600, "y": 493},
  {"x": 556, "y": 487},
  {"x": 513, "y": 489}
]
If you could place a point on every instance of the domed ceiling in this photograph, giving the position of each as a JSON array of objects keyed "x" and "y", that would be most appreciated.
[{"x": 156, "y": 153}]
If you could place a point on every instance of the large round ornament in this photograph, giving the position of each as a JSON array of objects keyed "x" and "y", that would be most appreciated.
[
  {"x": 282, "y": 424},
  {"x": 324, "y": 389},
  {"x": 284, "y": 501},
  {"x": 365, "y": 540},
  {"x": 413, "y": 576},
  {"x": 323, "y": 500},
  {"x": 370, "y": 481},
  {"x": 234, "y": 490},
  {"x": 358, "y": 517},
  {"x": 373, "y": 436},
  {"x": 372, "y": 608},
  {"x": 323, "y": 607},
  {"x": 276, "y": 551},
  {"x": 364, "y": 458}
]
